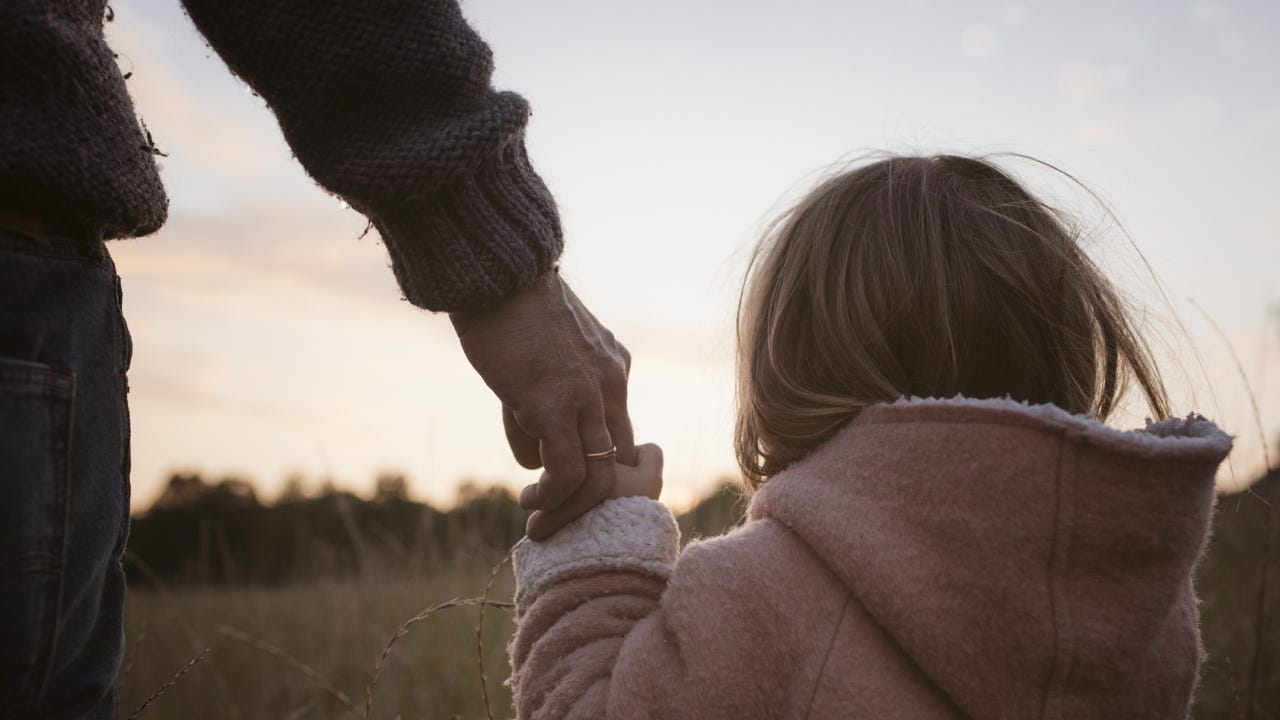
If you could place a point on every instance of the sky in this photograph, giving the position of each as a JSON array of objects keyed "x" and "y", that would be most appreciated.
[{"x": 271, "y": 340}]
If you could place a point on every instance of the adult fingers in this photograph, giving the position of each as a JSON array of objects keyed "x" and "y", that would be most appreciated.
[
  {"x": 618, "y": 422},
  {"x": 594, "y": 431},
  {"x": 529, "y": 497},
  {"x": 545, "y": 523},
  {"x": 600, "y": 478},
  {"x": 614, "y": 394},
  {"x": 523, "y": 445},
  {"x": 561, "y": 453},
  {"x": 596, "y": 439}
]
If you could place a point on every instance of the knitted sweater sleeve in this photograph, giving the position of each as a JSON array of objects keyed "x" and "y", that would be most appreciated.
[
  {"x": 388, "y": 105},
  {"x": 610, "y": 626}
]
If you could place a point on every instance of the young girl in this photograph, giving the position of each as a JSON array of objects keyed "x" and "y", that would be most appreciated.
[{"x": 941, "y": 525}]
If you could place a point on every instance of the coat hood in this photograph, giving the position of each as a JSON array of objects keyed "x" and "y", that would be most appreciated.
[{"x": 1032, "y": 563}]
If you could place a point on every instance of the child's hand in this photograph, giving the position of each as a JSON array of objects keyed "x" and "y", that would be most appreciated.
[{"x": 644, "y": 478}]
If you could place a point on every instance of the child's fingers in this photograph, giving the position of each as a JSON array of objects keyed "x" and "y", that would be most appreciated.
[
  {"x": 542, "y": 524},
  {"x": 642, "y": 479},
  {"x": 649, "y": 460}
]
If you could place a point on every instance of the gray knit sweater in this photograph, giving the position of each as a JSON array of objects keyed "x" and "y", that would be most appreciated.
[{"x": 386, "y": 103}]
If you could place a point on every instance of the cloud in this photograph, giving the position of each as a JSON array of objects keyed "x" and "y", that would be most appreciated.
[
  {"x": 1080, "y": 84},
  {"x": 1208, "y": 12},
  {"x": 1194, "y": 111},
  {"x": 979, "y": 40},
  {"x": 1015, "y": 13},
  {"x": 179, "y": 112},
  {"x": 312, "y": 249},
  {"x": 1102, "y": 129},
  {"x": 274, "y": 340},
  {"x": 222, "y": 143},
  {"x": 1084, "y": 88}
]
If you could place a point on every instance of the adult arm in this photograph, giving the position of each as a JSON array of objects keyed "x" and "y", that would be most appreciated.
[{"x": 388, "y": 104}]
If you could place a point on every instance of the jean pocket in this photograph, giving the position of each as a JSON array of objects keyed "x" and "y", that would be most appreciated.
[{"x": 35, "y": 436}]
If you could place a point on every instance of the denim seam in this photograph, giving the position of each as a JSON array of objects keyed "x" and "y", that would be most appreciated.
[
  {"x": 88, "y": 252},
  {"x": 126, "y": 459},
  {"x": 97, "y": 264},
  {"x": 35, "y": 553},
  {"x": 60, "y": 463},
  {"x": 46, "y": 383},
  {"x": 52, "y": 568}
]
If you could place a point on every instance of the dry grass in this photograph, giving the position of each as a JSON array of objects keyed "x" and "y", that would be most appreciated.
[{"x": 305, "y": 651}]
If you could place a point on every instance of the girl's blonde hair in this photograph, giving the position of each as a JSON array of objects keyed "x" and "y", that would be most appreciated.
[{"x": 929, "y": 277}]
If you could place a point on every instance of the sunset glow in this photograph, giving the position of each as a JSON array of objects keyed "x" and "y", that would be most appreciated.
[{"x": 271, "y": 339}]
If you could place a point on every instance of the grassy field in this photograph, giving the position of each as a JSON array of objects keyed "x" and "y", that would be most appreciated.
[
  {"x": 257, "y": 637},
  {"x": 308, "y": 650},
  {"x": 186, "y": 552},
  {"x": 337, "y": 629}
]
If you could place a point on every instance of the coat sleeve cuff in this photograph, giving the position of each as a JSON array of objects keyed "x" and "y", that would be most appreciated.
[{"x": 633, "y": 533}]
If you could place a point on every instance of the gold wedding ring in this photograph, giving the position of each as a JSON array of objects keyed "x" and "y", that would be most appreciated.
[{"x": 604, "y": 455}]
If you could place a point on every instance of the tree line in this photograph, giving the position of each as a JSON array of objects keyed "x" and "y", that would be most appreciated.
[{"x": 203, "y": 532}]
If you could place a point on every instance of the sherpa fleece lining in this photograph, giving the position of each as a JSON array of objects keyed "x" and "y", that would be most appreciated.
[
  {"x": 631, "y": 533},
  {"x": 1172, "y": 437}
]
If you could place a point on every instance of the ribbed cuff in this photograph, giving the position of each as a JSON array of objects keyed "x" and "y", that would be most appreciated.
[
  {"x": 483, "y": 236},
  {"x": 632, "y": 533},
  {"x": 71, "y": 149}
]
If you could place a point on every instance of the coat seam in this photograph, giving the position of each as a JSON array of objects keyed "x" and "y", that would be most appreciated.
[
  {"x": 1060, "y": 669},
  {"x": 850, "y": 598},
  {"x": 831, "y": 643}
]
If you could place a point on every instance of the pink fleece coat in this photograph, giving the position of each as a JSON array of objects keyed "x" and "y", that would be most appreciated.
[{"x": 935, "y": 559}]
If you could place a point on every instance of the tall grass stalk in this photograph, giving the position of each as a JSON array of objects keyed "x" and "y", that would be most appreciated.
[{"x": 1264, "y": 562}]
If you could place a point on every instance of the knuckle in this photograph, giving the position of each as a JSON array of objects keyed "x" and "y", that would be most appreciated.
[
  {"x": 584, "y": 395},
  {"x": 586, "y": 392},
  {"x": 562, "y": 461},
  {"x": 621, "y": 355},
  {"x": 531, "y": 419},
  {"x": 550, "y": 416},
  {"x": 619, "y": 350},
  {"x": 617, "y": 378}
]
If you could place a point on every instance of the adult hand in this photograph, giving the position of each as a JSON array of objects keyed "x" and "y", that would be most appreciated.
[
  {"x": 644, "y": 479},
  {"x": 562, "y": 380}
]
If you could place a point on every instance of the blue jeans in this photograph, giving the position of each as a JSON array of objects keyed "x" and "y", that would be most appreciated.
[{"x": 64, "y": 478}]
